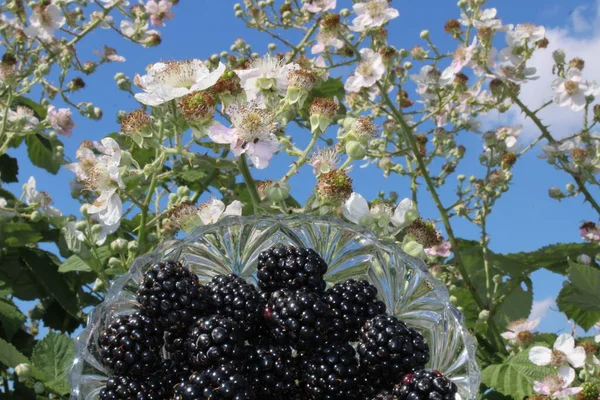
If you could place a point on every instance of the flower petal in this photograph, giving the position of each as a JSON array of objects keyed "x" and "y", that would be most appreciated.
[
  {"x": 235, "y": 208},
  {"x": 564, "y": 343},
  {"x": 540, "y": 355},
  {"x": 576, "y": 357},
  {"x": 355, "y": 208},
  {"x": 218, "y": 133}
]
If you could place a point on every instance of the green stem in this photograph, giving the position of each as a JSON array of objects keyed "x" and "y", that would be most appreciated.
[
  {"x": 249, "y": 182},
  {"x": 302, "y": 159},
  {"x": 4, "y": 123},
  {"x": 302, "y": 43},
  {"x": 444, "y": 215}
]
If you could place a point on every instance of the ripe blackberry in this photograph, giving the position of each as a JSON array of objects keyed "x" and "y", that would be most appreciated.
[
  {"x": 289, "y": 267},
  {"x": 131, "y": 345},
  {"x": 331, "y": 372},
  {"x": 175, "y": 345},
  {"x": 171, "y": 373},
  {"x": 172, "y": 294},
  {"x": 352, "y": 303},
  {"x": 124, "y": 388},
  {"x": 226, "y": 381},
  {"x": 214, "y": 340},
  {"x": 233, "y": 297},
  {"x": 389, "y": 349},
  {"x": 273, "y": 371},
  {"x": 300, "y": 319},
  {"x": 425, "y": 385}
]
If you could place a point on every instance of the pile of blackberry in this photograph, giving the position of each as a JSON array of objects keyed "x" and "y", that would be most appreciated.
[{"x": 286, "y": 338}]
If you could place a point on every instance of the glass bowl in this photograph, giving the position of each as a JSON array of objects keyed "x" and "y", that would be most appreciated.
[{"x": 232, "y": 246}]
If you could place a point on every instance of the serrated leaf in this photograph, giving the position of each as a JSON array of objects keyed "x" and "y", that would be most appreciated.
[
  {"x": 553, "y": 257},
  {"x": 9, "y": 169},
  {"x": 12, "y": 318},
  {"x": 53, "y": 356},
  {"x": 16, "y": 234},
  {"x": 17, "y": 278},
  {"x": 193, "y": 175},
  {"x": 10, "y": 356},
  {"x": 45, "y": 268},
  {"x": 332, "y": 87},
  {"x": 55, "y": 317},
  {"x": 584, "y": 318},
  {"x": 39, "y": 150},
  {"x": 7, "y": 195},
  {"x": 73, "y": 264},
  {"x": 515, "y": 376},
  {"x": 516, "y": 305}
]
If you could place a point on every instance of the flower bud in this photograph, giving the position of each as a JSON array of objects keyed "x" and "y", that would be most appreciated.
[
  {"x": 460, "y": 177},
  {"x": 453, "y": 300},
  {"x": 559, "y": 56},
  {"x": 237, "y": 7},
  {"x": 462, "y": 3},
  {"x": 152, "y": 237},
  {"x": 99, "y": 285},
  {"x": 424, "y": 34},
  {"x": 344, "y": 12},
  {"x": 81, "y": 225},
  {"x": 84, "y": 209},
  {"x": 36, "y": 216},
  {"x": 124, "y": 84},
  {"x": 414, "y": 249},
  {"x": 272, "y": 46},
  {"x": 119, "y": 75},
  {"x": 118, "y": 245},
  {"x": 484, "y": 315},
  {"x": 278, "y": 191},
  {"x": 356, "y": 150},
  {"x": 23, "y": 371},
  {"x": 334, "y": 186},
  {"x": 114, "y": 262},
  {"x": 39, "y": 388},
  {"x": 133, "y": 246},
  {"x": 584, "y": 259},
  {"x": 96, "y": 229},
  {"x": 577, "y": 63},
  {"x": 570, "y": 187},
  {"x": 555, "y": 193}
]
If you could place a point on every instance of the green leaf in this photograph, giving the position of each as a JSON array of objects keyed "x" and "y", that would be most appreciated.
[
  {"x": 10, "y": 356},
  {"x": 39, "y": 110},
  {"x": 332, "y": 87},
  {"x": 45, "y": 268},
  {"x": 16, "y": 277},
  {"x": 576, "y": 299},
  {"x": 16, "y": 234},
  {"x": 516, "y": 305},
  {"x": 12, "y": 318},
  {"x": 55, "y": 317},
  {"x": 74, "y": 263},
  {"x": 7, "y": 195},
  {"x": 9, "y": 169},
  {"x": 553, "y": 257},
  {"x": 40, "y": 152},
  {"x": 192, "y": 175},
  {"x": 515, "y": 376},
  {"x": 53, "y": 356}
]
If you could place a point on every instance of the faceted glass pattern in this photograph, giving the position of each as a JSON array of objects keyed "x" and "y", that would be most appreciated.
[{"x": 233, "y": 245}]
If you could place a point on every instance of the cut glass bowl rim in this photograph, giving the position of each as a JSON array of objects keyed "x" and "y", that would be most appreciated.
[{"x": 163, "y": 249}]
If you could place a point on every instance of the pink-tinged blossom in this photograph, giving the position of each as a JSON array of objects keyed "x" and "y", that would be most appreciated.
[
  {"x": 515, "y": 328},
  {"x": 557, "y": 386},
  {"x": 368, "y": 72},
  {"x": 213, "y": 210},
  {"x": 41, "y": 199},
  {"x": 327, "y": 39},
  {"x": 159, "y": 11},
  {"x": 462, "y": 56},
  {"x": 61, "y": 120},
  {"x": 266, "y": 74},
  {"x": 590, "y": 231},
  {"x": 316, "y": 6},
  {"x": 324, "y": 160},
  {"x": 23, "y": 116},
  {"x": 372, "y": 14},
  {"x": 171, "y": 80},
  {"x": 253, "y": 133},
  {"x": 44, "y": 21},
  {"x": 563, "y": 353},
  {"x": 573, "y": 90},
  {"x": 486, "y": 19},
  {"x": 441, "y": 250}
]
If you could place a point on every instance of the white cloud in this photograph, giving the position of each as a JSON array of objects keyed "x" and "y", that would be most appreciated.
[
  {"x": 562, "y": 120},
  {"x": 541, "y": 308}
]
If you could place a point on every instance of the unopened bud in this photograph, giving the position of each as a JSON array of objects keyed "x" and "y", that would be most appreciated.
[
  {"x": 36, "y": 216},
  {"x": 118, "y": 245},
  {"x": 133, "y": 246},
  {"x": 84, "y": 209},
  {"x": 272, "y": 46},
  {"x": 356, "y": 150},
  {"x": 559, "y": 56},
  {"x": 424, "y": 34},
  {"x": 555, "y": 193},
  {"x": 99, "y": 285},
  {"x": 96, "y": 229},
  {"x": 278, "y": 191},
  {"x": 23, "y": 371},
  {"x": 114, "y": 262},
  {"x": 461, "y": 177},
  {"x": 484, "y": 315},
  {"x": 344, "y": 12},
  {"x": 39, "y": 388}
]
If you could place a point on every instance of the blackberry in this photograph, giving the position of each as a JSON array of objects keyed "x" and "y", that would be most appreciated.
[
  {"x": 131, "y": 345},
  {"x": 214, "y": 340},
  {"x": 389, "y": 349},
  {"x": 425, "y": 385},
  {"x": 233, "y": 297},
  {"x": 175, "y": 345},
  {"x": 124, "y": 388},
  {"x": 289, "y": 267},
  {"x": 300, "y": 319},
  {"x": 352, "y": 303},
  {"x": 273, "y": 371},
  {"x": 225, "y": 381},
  {"x": 171, "y": 373},
  {"x": 172, "y": 294},
  {"x": 331, "y": 372}
]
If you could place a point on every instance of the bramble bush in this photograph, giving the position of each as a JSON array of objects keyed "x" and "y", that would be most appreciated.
[{"x": 204, "y": 125}]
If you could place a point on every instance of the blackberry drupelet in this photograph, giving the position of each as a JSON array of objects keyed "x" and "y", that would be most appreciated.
[
  {"x": 214, "y": 340},
  {"x": 233, "y": 297},
  {"x": 171, "y": 373},
  {"x": 131, "y": 345},
  {"x": 389, "y": 349},
  {"x": 273, "y": 371},
  {"x": 172, "y": 294},
  {"x": 175, "y": 345},
  {"x": 299, "y": 319},
  {"x": 226, "y": 381},
  {"x": 124, "y": 388},
  {"x": 352, "y": 303},
  {"x": 425, "y": 385},
  {"x": 289, "y": 267},
  {"x": 331, "y": 372}
]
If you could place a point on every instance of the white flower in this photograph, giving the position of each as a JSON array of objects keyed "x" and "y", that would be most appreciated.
[
  {"x": 463, "y": 56},
  {"x": 159, "y": 11},
  {"x": 23, "y": 115},
  {"x": 109, "y": 3},
  {"x": 171, "y": 80},
  {"x": 74, "y": 231},
  {"x": 368, "y": 72},
  {"x": 42, "y": 199},
  {"x": 517, "y": 327},
  {"x": 213, "y": 210},
  {"x": 110, "y": 54},
  {"x": 3, "y": 213},
  {"x": 253, "y": 132},
  {"x": 266, "y": 74},
  {"x": 517, "y": 74},
  {"x": 503, "y": 139},
  {"x": 316, "y": 6},
  {"x": 107, "y": 229},
  {"x": 524, "y": 33},
  {"x": 573, "y": 91},
  {"x": 356, "y": 209},
  {"x": 487, "y": 19},
  {"x": 132, "y": 29},
  {"x": 563, "y": 353},
  {"x": 327, "y": 39},
  {"x": 405, "y": 213},
  {"x": 44, "y": 21},
  {"x": 557, "y": 386},
  {"x": 61, "y": 120},
  {"x": 372, "y": 14}
]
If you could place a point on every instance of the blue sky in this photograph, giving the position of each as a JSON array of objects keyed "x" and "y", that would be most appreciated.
[{"x": 525, "y": 219}]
